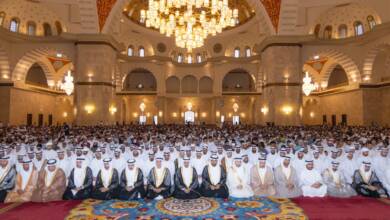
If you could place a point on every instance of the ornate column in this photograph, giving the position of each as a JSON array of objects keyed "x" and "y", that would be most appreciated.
[
  {"x": 95, "y": 84},
  {"x": 282, "y": 96}
]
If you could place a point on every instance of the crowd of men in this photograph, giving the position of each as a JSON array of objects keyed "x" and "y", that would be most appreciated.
[{"x": 129, "y": 162}]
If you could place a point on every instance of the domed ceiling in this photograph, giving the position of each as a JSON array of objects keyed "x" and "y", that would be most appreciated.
[{"x": 272, "y": 7}]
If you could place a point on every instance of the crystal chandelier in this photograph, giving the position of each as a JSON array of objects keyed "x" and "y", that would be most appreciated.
[
  {"x": 191, "y": 21},
  {"x": 68, "y": 85},
  {"x": 307, "y": 86}
]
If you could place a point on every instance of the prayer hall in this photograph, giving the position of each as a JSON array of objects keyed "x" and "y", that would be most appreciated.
[{"x": 195, "y": 109}]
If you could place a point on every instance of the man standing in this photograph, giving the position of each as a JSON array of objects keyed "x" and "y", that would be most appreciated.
[
  {"x": 214, "y": 180},
  {"x": 311, "y": 181},
  {"x": 262, "y": 179},
  {"x": 51, "y": 183},
  {"x": 132, "y": 182},
  {"x": 186, "y": 182},
  {"x": 79, "y": 182},
  {"x": 7, "y": 177}
]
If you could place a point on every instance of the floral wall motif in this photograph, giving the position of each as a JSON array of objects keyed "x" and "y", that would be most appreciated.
[
  {"x": 273, "y": 9},
  {"x": 104, "y": 8}
]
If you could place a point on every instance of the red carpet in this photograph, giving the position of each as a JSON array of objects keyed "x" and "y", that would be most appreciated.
[
  {"x": 38, "y": 211},
  {"x": 356, "y": 208}
]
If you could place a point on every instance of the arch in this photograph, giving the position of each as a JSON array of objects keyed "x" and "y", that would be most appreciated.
[
  {"x": 141, "y": 51},
  {"x": 238, "y": 80},
  {"x": 31, "y": 57},
  {"x": 328, "y": 32},
  {"x": 180, "y": 58},
  {"x": 343, "y": 31},
  {"x": 14, "y": 25},
  {"x": 31, "y": 28},
  {"x": 172, "y": 85},
  {"x": 199, "y": 58},
  {"x": 58, "y": 27},
  {"x": 248, "y": 51},
  {"x": 371, "y": 22},
  {"x": 317, "y": 30},
  {"x": 2, "y": 18},
  {"x": 335, "y": 57},
  {"x": 205, "y": 85},
  {"x": 359, "y": 28},
  {"x": 236, "y": 52},
  {"x": 47, "y": 30},
  {"x": 139, "y": 80},
  {"x": 370, "y": 59},
  {"x": 36, "y": 76},
  {"x": 130, "y": 51},
  {"x": 338, "y": 77},
  {"x": 189, "y": 84}
]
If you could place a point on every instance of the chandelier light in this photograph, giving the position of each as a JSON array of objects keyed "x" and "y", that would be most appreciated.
[
  {"x": 190, "y": 21},
  {"x": 308, "y": 86},
  {"x": 68, "y": 85}
]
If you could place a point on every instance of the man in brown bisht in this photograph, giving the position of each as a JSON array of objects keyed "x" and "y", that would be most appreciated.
[
  {"x": 26, "y": 181},
  {"x": 262, "y": 179},
  {"x": 51, "y": 183}
]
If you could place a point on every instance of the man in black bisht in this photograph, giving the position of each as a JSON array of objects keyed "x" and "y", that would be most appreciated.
[
  {"x": 131, "y": 182},
  {"x": 107, "y": 182},
  {"x": 214, "y": 180},
  {"x": 80, "y": 182},
  {"x": 159, "y": 181},
  {"x": 186, "y": 182}
]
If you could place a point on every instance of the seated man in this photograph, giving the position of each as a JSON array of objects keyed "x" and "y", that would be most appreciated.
[
  {"x": 214, "y": 180},
  {"x": 186, "y": 182},
  {"x": 107, "y": 182},
  {"x": 262, "y": 179},
  {"x": 336, "y": 182},
  {"x": 7, "y": 177},
  {"x": 366, "y": 183},
  {"x": 131, "y": 183},
  {"x": 79, "y": 182},
  {"x": 159, "y": 181},
  {"x": 287, "y": 180},
  {"x": 26, "y": 181},
  {"x": 238, "y": 180},
  {"x": 51, "y": 183},
  {"x": 311, "y": 181}
]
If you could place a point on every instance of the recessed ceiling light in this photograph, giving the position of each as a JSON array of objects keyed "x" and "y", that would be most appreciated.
[
  {"x": 59, "y": 55},
  {"x": 316, "y": 57}
]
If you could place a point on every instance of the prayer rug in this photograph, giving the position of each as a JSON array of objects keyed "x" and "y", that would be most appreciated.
[{"x": 202, "y": 208}]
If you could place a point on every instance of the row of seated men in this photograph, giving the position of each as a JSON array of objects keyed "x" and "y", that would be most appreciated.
[{"x": 50, "y": 184}]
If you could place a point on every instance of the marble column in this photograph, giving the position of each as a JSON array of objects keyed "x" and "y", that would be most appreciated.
[
  {"x": 95, "y": 85},
  {"x": 282, "y": 94}
]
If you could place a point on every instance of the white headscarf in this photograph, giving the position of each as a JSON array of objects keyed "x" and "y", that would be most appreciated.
[
  {"x": 106, "y": 175},
  {"x": 187, "y": 173},
  {"x": 286, "y": 170},
  {"x": 365, "y": 174},
  {"x": 79, "y": 175},
  {"x": 131, "y": 176},
  {"x": 26, "y": 175},
  {"x": 261, "y": 171},
  {"x": 50, "y": 175},
  {"x": 4, "y": 171},
  {"x": 214, "y": 173}
]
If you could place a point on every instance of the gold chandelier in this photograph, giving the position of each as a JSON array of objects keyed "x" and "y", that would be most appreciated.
[{"x": 191, "y": 21}]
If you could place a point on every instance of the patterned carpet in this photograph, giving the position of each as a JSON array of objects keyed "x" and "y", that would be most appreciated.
[{"x": 203, "y": 208}]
